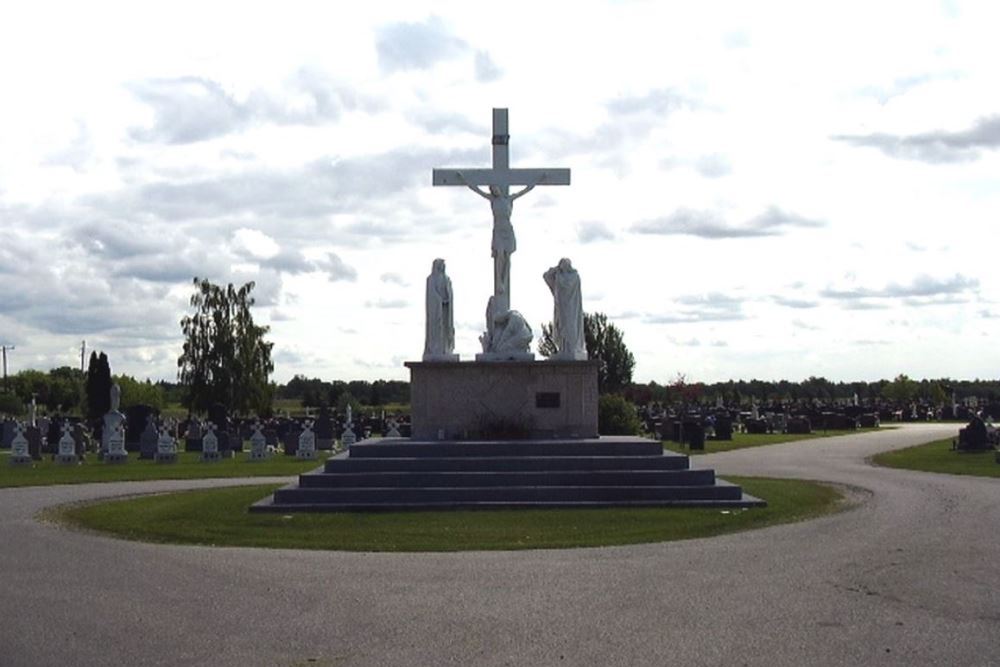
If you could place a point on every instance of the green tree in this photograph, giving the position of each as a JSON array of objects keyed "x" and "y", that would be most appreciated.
[
  {"x": 901, "y": 390},
  {"x": 606, "y": 343},
  {"x": 616, "y": 415},
  {"x": 97, "y": 387},
  {"x": 135, "y": 392},
  {"x": 225, "y": 358}
]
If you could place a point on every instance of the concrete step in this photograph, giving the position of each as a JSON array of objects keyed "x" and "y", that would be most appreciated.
[
  {"x": 406, "y": 448},
  {"x": 520, "y": 478},
  {"x": 505, "y": 463},
  {"x": 508, "y": 494}
]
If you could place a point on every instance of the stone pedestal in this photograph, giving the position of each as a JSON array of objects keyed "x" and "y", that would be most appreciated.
[{"x": 503, "y": 399}]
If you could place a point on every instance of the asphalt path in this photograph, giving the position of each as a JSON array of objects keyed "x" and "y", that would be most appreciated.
[{"x": 910, "y": 576}]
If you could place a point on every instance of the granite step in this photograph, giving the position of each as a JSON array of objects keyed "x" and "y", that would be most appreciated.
[
  {"x": 547, "y": 478},
  {"x": 607, "y": 446},
  {"x": 505, "y": 463}
]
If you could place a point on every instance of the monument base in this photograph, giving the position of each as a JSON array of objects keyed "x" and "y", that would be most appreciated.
[
  {"x": 257, "y": 457},
  {"x": 67, "y": 459},
  {"x": 305, "y": 455},
  {"x": 165, "y": 458},
  {"x": 505, "y": 356},
  {"x": 486, "y": 400},
  {"x": 116, "y": 457},
  {"x": 211, "y": 457},
  {"x": 22, "y": 460},
  {"x": 441, "y": 357}
]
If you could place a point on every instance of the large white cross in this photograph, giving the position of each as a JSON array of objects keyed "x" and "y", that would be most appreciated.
[{"x": 501, "y": 176}]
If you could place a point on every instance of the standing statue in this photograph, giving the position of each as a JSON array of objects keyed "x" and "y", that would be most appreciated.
[
  {"x": 439, "y": 342},
  {"x": 567, "y": 316}
]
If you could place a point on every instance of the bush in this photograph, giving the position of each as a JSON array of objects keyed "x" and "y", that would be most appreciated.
[
  {"x": 10, "y": 404},
  {"x": 616, "y": 416}
]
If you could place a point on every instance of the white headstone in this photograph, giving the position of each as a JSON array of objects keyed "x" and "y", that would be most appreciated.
[
  {"x": 67, "y": 445},
  {"x": 307, "y": 442},
  {"x": 116, "y": 445},
  {"x": 258, "y": 444},
  {"x": 166, "y": 446},
  {"x": 210, "y": 444},
  {"x": 19, "y": 452}
]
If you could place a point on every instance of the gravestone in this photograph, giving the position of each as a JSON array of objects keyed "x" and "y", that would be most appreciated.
[
  {"x": 9, "y": 430},
  {"x": 307, "y": 443},
  {"x": 258, "y": 445},
  {"x": 975, "y": 436},
  {"x": 798, "y": 426},
  {"x": 149, "y": 439},
  {"x": 210, "y": 445},
  {"x": 67, "y": 446},
  {"x": 323, "y": 428},
  {"x": 19, "y": 452},
  {"x": 116, "y": 446},
  {"x": 393, "y": 431},
  {"x": 51, "y": 429},
  {"x": 723, "y": 427},
  {"x": 136, "y": 422},
  {"x": 36, "y": 442},
  {"x": 166, "y": 447},
  {"x": 192, "y": 437},
  {"x": 291, "y": 439}
]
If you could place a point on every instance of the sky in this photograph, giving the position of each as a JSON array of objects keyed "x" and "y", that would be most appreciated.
[{"x": 761, "y": 190}]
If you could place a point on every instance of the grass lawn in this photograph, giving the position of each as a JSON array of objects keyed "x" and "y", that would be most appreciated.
[
  {"x": 219, "y": 517},
  {"x": 937, "y": 456},
  {"x": 188, "y": 466},
  {"x": 744, "y": 440}
]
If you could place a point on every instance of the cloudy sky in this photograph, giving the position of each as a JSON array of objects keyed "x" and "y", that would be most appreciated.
[{"x": 760, "y": 190}]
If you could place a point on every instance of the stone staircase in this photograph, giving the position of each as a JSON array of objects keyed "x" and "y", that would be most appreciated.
[{"x": 404, "y": 474}]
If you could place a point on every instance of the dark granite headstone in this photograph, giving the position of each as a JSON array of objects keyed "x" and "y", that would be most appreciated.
[
  {"x": 35, "y": 442},
  {"x": 7, "y": 436},
  {"x": 136, "y": 417},
  {"x": 869, "y": 420},
  {"x": 291, "y": 440},
  {"x": 757, "y": 426},
  {"x": 694, "y": 434},
  {"x": 723, "y": 427},
  {"x": 148, "y": 440},
  {"x": 974, "y": 437},
  {"x": 798, "y": 425},
  {"x": 323, "y": 428}
]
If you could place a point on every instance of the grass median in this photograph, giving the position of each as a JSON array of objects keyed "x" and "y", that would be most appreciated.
[
  {"x": 219, "y": 517},
  {"x": 938, "y": 456},
  {"x": 189, "y": 466}
]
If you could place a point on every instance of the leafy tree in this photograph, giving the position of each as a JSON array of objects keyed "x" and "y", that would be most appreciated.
[
  {"x": 225, "y": 358},
  {"x": 902, "y": 389},
  {"x": 135, "y": 392},
  {"x": 605, "y": 343}
]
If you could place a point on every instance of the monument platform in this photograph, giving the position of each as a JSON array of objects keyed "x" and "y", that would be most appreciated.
[
  {"x": 503, "y": 399},
  {"x": 384, "y": 474}
]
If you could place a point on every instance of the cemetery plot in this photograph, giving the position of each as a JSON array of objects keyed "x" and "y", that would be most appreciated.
[{"x": 941, "y": 456}]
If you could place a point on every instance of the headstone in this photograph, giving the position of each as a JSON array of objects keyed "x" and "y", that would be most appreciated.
[
  {"x": 192, "y": 437},
  {"x": 166, "y": 447},
  {"x": 258, "y": 445},
  {"x": 148, "y": 441},
  {"x": 393, "y": 431},
  {"x": 112, "y": 421},
  {"x": 67, "y": 446},
  {"x": 9, "y": 430},
  {"x": 347, "y": 438},
  {"x": 116, "y": 445},
  {"x": 136, "y": 422},
  {"x": 323, "y": 428},
  {"x": 307, "y": 442},
  {"x": 210, "y": 445},
  {"x": 36, "y": 442},
  {"x": 19, "y": 454},
  {"x": 291, "y": 440}
]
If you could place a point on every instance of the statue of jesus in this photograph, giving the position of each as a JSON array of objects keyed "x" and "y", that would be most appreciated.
[{"x": 504, "y": 243}]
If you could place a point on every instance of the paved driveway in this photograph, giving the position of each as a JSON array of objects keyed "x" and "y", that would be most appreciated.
[{"x": 912, "y": 576}]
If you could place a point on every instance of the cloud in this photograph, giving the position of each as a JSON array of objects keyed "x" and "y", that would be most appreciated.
[
  {"x": 920, "y": 288},
  {"x": 393, "y": 278},
  {"x": 409, "y": 46},
  {"x": 794, "y": 303},
  {"x": 192, "y": 109},
  {"x": 712, "y": 307},
  {"x": 387, "y": 303},
  {"x": 935, "y": 147},
  {"x": 709, "y": 225},
  {"x": 336, "y": 268},
  {"x": 486, "y": 69},
  {"x": 588, "y": 232},
  {"x": 659, "y": 102},
  {"x": 713, "y": 166}
]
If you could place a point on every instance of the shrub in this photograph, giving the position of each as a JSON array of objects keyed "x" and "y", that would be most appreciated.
[{"x": 616, "y": 416}]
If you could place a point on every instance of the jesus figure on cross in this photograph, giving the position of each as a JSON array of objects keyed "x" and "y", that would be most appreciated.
[{"x": 504, "y": 242}]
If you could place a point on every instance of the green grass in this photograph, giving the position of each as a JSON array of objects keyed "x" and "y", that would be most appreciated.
[
  {"x": 938, "y": 456},
  {"x": 744, "y": 440},
  {"x": 46, "y": 471},
  {"x": 219, "y": 517}
]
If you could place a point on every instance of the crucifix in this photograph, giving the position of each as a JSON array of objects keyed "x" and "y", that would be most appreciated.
[{"x": 498, "y": 180}]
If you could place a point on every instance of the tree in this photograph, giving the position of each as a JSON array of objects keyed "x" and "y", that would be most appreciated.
[
  {"x": 225, "y": 358},
  {"x": 900, "y": 390},
  {"x": 605, "y": 343},
  {"x": 97, "y": 389}
]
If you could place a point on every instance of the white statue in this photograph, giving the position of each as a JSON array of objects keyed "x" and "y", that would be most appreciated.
[
  {"x": 504, "y": 242},
  {"x": 511, "y": 334},
  {"x": 439, "y": 342},
  {"x": 567, "y": 316},
  {"x": 113, "y": 419}
]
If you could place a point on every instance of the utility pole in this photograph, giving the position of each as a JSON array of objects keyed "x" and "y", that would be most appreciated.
[
  {"x": 83, "y": 354},
  {"x": 5, "y": 348}
]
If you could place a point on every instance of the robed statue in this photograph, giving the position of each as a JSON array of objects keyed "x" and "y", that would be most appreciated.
[
  {"x": 439, "y": 340},
  {"x": 567, "y": 312}
]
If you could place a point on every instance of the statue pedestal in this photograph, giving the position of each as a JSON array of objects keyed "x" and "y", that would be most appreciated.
[
  {"x": 505, "y": 356},
  {"x": 503, "y": 400}
]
